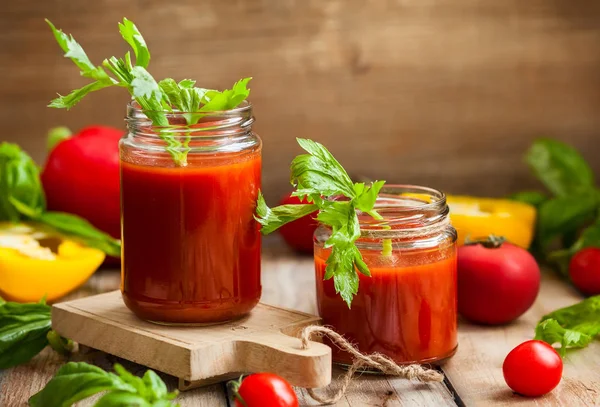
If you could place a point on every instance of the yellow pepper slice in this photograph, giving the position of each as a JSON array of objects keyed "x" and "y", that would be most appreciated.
[
  {"x": 37, "y": 262},
  {"x": 479, "y": 217}
]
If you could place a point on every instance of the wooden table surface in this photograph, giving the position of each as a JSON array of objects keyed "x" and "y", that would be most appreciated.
[{"x": 473, "y": 375}]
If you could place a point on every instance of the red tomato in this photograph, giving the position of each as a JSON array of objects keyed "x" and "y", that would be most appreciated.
[
  {"x": 81, "y": 176},
  {"x": 299, "y": 233},
  {"x": 584, "y": 270},
  {"x": 532, "y": 369},
  {"x": 266, "y": 390},
  {"x": 496, "y": 285}
]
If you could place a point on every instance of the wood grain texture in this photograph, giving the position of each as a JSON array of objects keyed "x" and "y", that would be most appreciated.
[
  {"x": 265, "y": 340},
  {"x": 476, "y": 369},
  {"x": 474, "y": 372},
  {"x": 446, "y": 94},
  {"x": 19, "y": 383}
]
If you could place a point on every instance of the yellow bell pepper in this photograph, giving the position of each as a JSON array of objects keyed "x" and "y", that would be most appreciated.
[
  {"x": 479, "y": 217},
  {"x": 37, "y": 262}
]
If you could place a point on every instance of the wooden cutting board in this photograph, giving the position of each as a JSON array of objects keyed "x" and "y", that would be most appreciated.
[{"x": 263, "y": 341}]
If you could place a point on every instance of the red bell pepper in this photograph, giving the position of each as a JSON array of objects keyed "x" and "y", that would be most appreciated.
[{"x": 81, "y": 176}]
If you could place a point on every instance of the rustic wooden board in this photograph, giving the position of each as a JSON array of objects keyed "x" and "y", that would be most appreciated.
[
  {"x": 442, "y": 93},
  {"x": 262, "y": 341}
]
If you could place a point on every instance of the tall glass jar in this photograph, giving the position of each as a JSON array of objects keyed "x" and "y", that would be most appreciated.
[
  {"x": 191, "y": 247},
  {"x": 407, "y": 308}
]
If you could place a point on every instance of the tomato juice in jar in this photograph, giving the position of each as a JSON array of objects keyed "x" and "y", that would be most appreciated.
[
  {"x": 407, "y": 309},
  {"x": 191, "y": 246}
]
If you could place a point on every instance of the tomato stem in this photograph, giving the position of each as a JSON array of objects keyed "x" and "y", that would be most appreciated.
[
  {"x": 489, "y": 242},
  {"x": 235, "y": 388}
]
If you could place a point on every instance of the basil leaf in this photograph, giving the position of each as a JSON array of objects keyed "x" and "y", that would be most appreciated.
[
  {"x": 75, "y": 382},
  {"x": 123, "y": 399},
  {"x": 559, "y": 166},
  {"x": 23, "y": 330},
  {"x": 83, "y": 230},
  {"x": 534, "y": 198},
  {"x": 19, "y": 182},
  {"x": 551, "y": 332},
  {"x": 562, "y": 214}
]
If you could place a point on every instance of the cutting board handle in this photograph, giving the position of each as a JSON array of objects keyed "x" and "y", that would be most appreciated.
[{"x": 281, "y": 354}]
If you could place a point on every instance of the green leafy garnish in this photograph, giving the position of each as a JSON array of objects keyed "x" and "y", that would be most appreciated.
[
  {"x": 25, "y": 330},
  {"x": 559, "y": 167},
  {"x": 318, "y": 176},
  {"x": 155, "y": 98},
  {"x": 551, "y": 332},
  {"x": 77, "y": 381},
  {"x": 573, "y": 205},
  {"x": 571, "y": 327},
  {"x": 22, "y": 198}
]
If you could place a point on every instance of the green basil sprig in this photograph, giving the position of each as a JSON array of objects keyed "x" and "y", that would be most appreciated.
[
  {"x": 25, "y": 330},
  {"x": 22, "y": 198},
  {"x": 571, "y": 214},
  {"x": 77, "y": 381}
]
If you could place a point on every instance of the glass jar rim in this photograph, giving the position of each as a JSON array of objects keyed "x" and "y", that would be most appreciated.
[
  {"x": 406, "y": 206},
  {"x": 245, "y": 106},
  {"x": 215, "y": 124}
]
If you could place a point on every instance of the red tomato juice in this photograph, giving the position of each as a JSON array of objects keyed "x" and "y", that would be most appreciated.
[
  {"x": 406, "y": 311},
  {"x": 191, "y": 247}
]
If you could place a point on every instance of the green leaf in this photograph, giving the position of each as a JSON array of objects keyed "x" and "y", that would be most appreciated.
[
  {"x": 559, "y": 166},
  {"x": 187, "y": 83},
  {"x": 78, "y": 381},
  {"x": 551, "y": 332},
  {"x": 583, "y": 316},
  {"x": 19, "y": 183},
  {"x": 228, "y": 99},
  {"x": 273, "y": 219},
  {"x": 75, "y": 52},
  {"x": 563, "y": 214},
  {"x": 75, "y": 382},
  {"x": 23, "y": 329},
  {"x": 319, "y": 172},
  {"x": 70, "y": 100},
  {"x": 81, "y": 229},
  {"x": 134, "y": 38},
  {"x": 122, "y": 399},
  {"x": 144, "y": 86},
  {"x": 366, "y": 199},
  {"x": 590, "y": 237},
  {"x": 534, "y": 198},
  {"x": 340, "y": 265},
  {"x": 321, "y": 179}
]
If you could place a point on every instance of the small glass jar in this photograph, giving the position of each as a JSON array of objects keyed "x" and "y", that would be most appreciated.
[
  {"x": 191, "y": 246},
  {"x": 407, "y": 308}
]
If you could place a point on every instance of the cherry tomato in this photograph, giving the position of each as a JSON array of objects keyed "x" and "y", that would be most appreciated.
[
  {"x": 299, "y": 233},
  {"x": 584, "y": 270},
  {"x": 265, "y": 390},
  {"x": 496, "y": 284},
  {"x": 532, "y": 369}
]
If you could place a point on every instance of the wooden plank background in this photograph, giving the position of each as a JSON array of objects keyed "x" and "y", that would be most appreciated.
[{"x": 442, "y": 93}]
